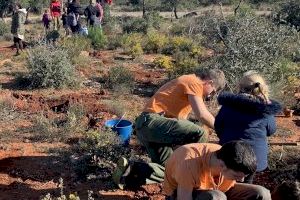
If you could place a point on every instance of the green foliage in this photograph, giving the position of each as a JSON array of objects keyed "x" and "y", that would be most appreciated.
[
  {"x": 184, "y": 64},
  {"x": 289, "y": 13},
  {"x": 120, "y": 76},
  {"x": 75, "y": 45},
  {"x": 50, "y": 67},
  {"x": 164, "y": 62},
  {"x": 247, "y": 42},
  {"x": 4, "y": 28},
  {"x": 97, "y": 37},
  {"x": 178, "y": 43},
  {"x": 135, "y": 25},
  {"x": 155, "y": 42},
  {"x": 132, "y": 44}
]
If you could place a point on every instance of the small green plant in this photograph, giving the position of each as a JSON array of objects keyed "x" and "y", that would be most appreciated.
[
  {"x": 97, "y": 37},
  {"x": 155, "y": 42},
  {"x": 50, "y": 67},
  {"x": 164, "y": 62},
  {"x": 132, "y": 44},
  {"x": 119, "y": 77},
  {"x": 4, "y": 28},
  {"x": 135, "y": 25},
  {"x": 74, "y": 120},
  {"x": 178, "y": 43},
  {"x": 75, "y": 45}
]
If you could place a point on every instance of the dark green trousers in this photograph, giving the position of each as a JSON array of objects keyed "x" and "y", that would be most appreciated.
[{"x": 160, "y": 135}]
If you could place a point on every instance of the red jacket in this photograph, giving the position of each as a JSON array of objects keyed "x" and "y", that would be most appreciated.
[{"x": 55, "y": 9}]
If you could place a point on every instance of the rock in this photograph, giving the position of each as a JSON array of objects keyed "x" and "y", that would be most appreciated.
[{"x": 85, "y": 53}]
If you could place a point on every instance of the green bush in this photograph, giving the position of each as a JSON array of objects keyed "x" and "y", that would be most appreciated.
[
  {"x": 132, "y": 44},
  {"x": 155, "y": 42},
  {"x": 137, "y": 25},
  {"x": 178, "y": 43},
  {"x": 289, "y": 13},
  {"x": 50, "y": 67},
  {"x": 97, "y": 37},
  {"x": 120, "y": 76},
  {"x": 75, "y": 45},
  {"x": 164, "y": 62},
  {"x": 4, "y": 28}
]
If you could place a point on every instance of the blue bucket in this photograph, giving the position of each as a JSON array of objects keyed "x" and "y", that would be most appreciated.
[{"x": 123, "y": 128}]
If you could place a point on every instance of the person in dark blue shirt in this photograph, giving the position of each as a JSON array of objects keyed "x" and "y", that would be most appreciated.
[{"x": 248, "y": 116}]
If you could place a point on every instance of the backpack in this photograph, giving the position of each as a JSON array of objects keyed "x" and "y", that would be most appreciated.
[{"x": 72, "y": 20}]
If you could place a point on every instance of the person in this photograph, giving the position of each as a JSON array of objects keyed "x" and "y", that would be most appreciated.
[
  {"x": 163, "y": 124},
  {"x": 100, "y": 10},
  {"x": 92, "y": 13},
  {"x": 248, "y": 116},
  {"x": 287, "y": 190},
  {"x": 18, "y": 26},
  {"x": 55, "y": 9},
  {"x": 46, "y": 20},
  {"x": 210, "y": 171},
  {"x": 74, "y": 11},
  {"x": 64, "y": 18}
]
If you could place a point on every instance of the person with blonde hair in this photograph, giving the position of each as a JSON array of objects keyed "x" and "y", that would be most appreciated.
[{"x": 248, "y": 116}]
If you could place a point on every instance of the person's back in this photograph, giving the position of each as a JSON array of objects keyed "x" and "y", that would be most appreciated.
[{"x": 248, "y": 117}]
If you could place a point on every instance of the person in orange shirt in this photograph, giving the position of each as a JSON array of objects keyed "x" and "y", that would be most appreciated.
[
  {"x": 163, "y": 124},
  {"x": 209, "y": 171}
]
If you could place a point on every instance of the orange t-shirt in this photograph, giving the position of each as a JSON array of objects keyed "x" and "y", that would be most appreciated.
[
  {"x": 188, "y": 167},
  {"x": 172, "y": 98}
]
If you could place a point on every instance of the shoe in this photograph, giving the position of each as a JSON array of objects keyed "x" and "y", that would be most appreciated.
[{"x": 119, "y": 172}]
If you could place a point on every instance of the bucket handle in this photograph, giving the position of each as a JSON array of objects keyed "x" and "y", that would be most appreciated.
[{"x": 115, "y": 126}]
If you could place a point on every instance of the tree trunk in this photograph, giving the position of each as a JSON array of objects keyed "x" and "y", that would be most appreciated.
[{"x": 144, "y": 9}]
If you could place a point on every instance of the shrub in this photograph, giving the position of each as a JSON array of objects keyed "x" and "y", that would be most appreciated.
[
  {"x": 75, "y": 45},
  {"x": 155, "y": 42},
  {"x": 137, "y": 25},
  {"x": 178, "y": 43},
  {"x": 164, "y": 62},
  {"x": 97, "y": 37},
  {"x": 132, "y": 44},
  {"x": 289, "y": 13},
  {"x": 4, "y": 28},
  {"x": 120, "y": 76},
  {"x": 50, "y": 67},
  {"x": 184, "y": 64},
  {"x": 247, "y": 42}
]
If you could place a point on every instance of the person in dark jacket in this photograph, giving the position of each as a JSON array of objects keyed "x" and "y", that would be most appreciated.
[
  {"x": 74, "y": 11},
  {"x": 248, "y": 116},
  {"x": 92, "y": 14}
]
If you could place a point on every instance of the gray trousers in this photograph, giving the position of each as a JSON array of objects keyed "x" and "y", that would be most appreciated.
[{"x": 240, "y": 191}]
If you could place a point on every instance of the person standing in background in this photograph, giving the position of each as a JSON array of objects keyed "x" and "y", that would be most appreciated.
[{"x": 55, "y": 9}]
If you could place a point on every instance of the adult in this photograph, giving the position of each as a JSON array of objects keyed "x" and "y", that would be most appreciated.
[
  {"x": 209, "y": 171},
  {"x": 18, "y": 26},
  {"x": 92, "y": 14},
  {"x": 55, "y": 11},
  {"x": 252, "y": 117},
  {"x": 163, "y": 124},
  {"x": 74, "y": 11},
  {"x": 100, "y": 10}
]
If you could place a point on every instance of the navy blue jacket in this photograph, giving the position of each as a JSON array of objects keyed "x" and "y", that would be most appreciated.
[{"x": 247, "y": 119}]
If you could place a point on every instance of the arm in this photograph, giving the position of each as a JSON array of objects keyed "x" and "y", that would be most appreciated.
[
  {"x": 271, "y": 126},
  {"x": 184, "y": 193},
  {"x": 201, "y": 111}
]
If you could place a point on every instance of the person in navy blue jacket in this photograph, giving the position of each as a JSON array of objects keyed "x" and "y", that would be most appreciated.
[{"x": 248, "y": 116}]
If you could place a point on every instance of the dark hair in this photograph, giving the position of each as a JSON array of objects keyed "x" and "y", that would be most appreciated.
[
  {"x": 238, "y": 156},
  {"x": 216, "y": 75},
  {"x": 287, "y": 190}
]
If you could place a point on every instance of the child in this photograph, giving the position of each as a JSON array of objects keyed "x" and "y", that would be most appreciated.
[
  {"x": 64, "y": 19},
  {"x": 287, "y": 191},
  {"x": 46, "y": 20},
  {"x": 18, "y": 26},
  {"x": 55, "y": 8},
  {"x": 248, "y": 116}
]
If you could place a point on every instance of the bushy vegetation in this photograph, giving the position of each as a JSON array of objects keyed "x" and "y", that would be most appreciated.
[
  {"x": 50, "y": 67},
  {"x": 164, "y": 62},
  {"x": 75, "y": 45},
  {"x": 132, "y": 44},
  {"x": 97, "y": 37},
  {"x": 120, "y": 77},
  {"x": 289, "y": 13},
  {"x": 4, "y": 28}
]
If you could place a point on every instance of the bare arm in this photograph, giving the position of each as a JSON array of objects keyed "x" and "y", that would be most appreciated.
[
  {"x": 201, "y": 111},
  {"x": 184, "y": 194}
]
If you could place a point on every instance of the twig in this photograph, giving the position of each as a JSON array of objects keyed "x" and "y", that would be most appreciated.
[{"x": 238, "y": 6}]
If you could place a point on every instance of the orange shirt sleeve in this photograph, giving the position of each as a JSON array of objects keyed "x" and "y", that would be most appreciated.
[{"x": 194, "y": 89}]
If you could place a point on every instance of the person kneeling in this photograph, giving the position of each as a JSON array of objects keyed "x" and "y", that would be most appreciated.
[{"x": 210, "y": 171}]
